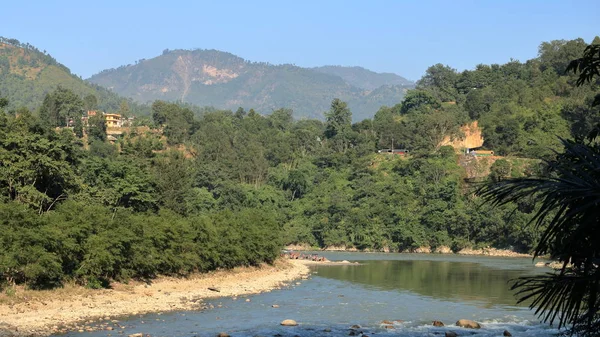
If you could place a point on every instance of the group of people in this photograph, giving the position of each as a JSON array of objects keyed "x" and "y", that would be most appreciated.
[{"x": 301, "y": 256}]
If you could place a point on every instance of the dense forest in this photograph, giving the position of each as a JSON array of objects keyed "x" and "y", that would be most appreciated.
[{"x": 194, "y": 190}]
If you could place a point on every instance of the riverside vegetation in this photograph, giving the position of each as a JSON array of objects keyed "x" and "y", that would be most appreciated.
[{"x": 201, "y": 189}]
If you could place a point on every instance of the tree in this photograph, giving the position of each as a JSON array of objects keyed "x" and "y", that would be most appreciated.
[
  {"x": 441, "y": 81},
  {"x": 90, "y": 102},
  {"x": 417, "y": 99},
  {"x": 569, "y": 198},
  {"x": 60, "y": 106},
  {"x": 589, "y": 67},
  {"x": 338, "y": 127},
  {"x": 124, "y": 109},
  {"x": 96, "y": 128}
]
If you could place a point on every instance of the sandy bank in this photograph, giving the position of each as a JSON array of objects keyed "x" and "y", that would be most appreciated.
[
  {"x": 325, "y": 263},
  {"x": 40, "y": 313},
  {"x": 420, "y": 250}
]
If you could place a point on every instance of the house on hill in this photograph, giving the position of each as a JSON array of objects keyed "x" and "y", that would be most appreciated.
[{"x": 112, "y": 120}]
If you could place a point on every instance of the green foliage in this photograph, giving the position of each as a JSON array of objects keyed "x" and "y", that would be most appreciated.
[
  {"x": 500, "y": 170},
  {"x": 569, "y": 197},
  {"x": 27, "y": 75},
  {"x": 199, "y": 189}
]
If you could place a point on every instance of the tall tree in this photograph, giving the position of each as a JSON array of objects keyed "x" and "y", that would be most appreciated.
[
  {"x": 90, "y": 102},
  {"x": 338, "y": 126}
]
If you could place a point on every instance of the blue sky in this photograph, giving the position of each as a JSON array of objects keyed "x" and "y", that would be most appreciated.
[{"x": 404, "y": 37}]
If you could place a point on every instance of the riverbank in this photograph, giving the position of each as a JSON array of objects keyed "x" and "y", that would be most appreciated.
[
  {"x": 41, "y": 313},
  {"x": 420, "y": 250}
]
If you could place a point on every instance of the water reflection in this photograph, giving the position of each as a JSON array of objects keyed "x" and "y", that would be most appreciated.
[{"x": 449, "y": 280}]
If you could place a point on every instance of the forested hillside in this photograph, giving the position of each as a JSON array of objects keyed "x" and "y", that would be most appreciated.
[
  {"x": 364, "y": 78},
  {"x": 225, "y": 81},
  {"x": 28, "y": 74},
  {"x": 195, "y": 192}
]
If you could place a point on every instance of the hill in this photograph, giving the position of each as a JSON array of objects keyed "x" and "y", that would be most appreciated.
[
  {"x": 226, "y": 81},
  {"x": 365, "y": 78},
  {"x": 28, "y": 74}
]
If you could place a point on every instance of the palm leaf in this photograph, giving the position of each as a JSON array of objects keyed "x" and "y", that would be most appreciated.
[{"x": 569, "y": 198}]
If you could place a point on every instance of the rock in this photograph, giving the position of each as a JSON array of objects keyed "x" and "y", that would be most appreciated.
[
  {"x": 355, "y": 326},
  {"x": 352, "y": 333},
  {"x": 275, "y": 306},
  {"x": 214, "y": 289},
  {"x": 109, "y": 328},
  {"x": 389, "y": 327},
  {"x": 223, "y": 334},
  {"x": 288, "y": 322},
  {"x": 139, "y": 334},
  {"x": 385, "y": 321},
  {"x": 451, "y": 334},
  {"x": 247, "y": 300},
  {"x": 437, "y": 323},
  {"x": 540, "y": 264},
  {"x": 506, "y": 333},
  {"x": 327, "y": 330},
  {"x": 467, "y": 323},
  {"x": 443, "y": 250}
]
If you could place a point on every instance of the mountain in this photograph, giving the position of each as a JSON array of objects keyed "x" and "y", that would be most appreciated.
[
  {"x": 28, "y": 74},
  {"x": 364, "y": 78},
  {"x": 225, "y": 81}
]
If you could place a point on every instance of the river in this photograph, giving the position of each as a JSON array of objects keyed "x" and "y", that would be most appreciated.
[{"x": 411, "y": 290}]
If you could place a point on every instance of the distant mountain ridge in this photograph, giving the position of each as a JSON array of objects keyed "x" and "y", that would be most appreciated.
[
  {"x": 226, "y": 81},
  {"x": 364, "y": 78}
]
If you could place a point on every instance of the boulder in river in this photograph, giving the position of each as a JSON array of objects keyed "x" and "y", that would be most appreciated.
[
  {"x": 437, "y": 323},
  {"x": 288, "y": 322},
  {"x": 355, "y": 326},
  {"x": 451, "y": 334},
  {"x": 385, "y": 321},
  {"x": 139, "y": 334},
  {"x": 469, "y": 324},
  {"x": 506, "y": 333},
  {"x": 223, "y": 334}
]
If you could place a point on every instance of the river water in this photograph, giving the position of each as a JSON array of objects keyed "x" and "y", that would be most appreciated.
[{"x": 411, "y": 290}]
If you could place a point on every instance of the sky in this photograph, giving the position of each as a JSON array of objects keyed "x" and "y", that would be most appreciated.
[{"x": 402, "y": 37}]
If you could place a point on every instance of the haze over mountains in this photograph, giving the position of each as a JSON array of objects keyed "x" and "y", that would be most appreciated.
[{"x": 225, "y": 81}]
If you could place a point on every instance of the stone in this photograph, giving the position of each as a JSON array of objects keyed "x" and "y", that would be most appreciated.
[
  {"x": 247, "y": 300},
  {"x": 437, "y": 323},
  {"x": 385, "y": 321},
  {"x": 467, "y": 323},
  {"x": 288, "y": 322},
  {"x": 223, "y": 334},
  {"x": 451, "y": 334},
  {"x": 275, "y": 306},
  {"x": 327, "y": 330},
  {"x": 389, "y": 326},
  {"x": 355, "y": 326},
  {"x": 352, "y": 333},
  {"x": 139, "y": 334},
  {"x": 506, "y": 333}
]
